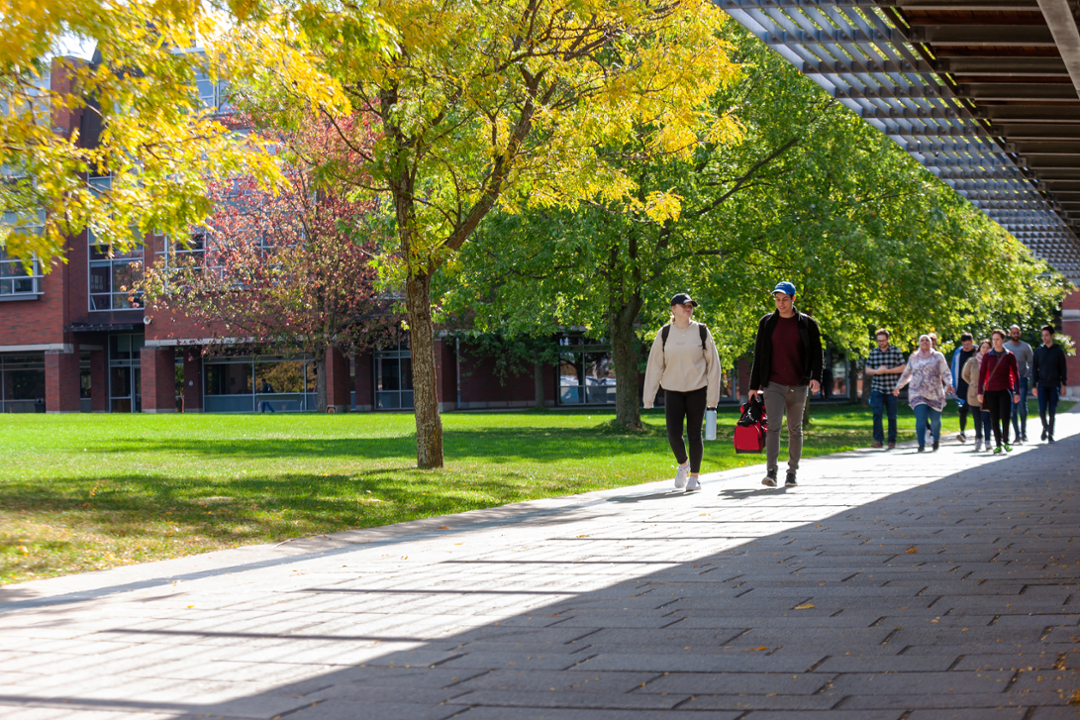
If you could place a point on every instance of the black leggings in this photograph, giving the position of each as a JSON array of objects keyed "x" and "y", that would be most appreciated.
[
  {"x": 999, "y": 403},
  {"x": 690, "y": 405}
]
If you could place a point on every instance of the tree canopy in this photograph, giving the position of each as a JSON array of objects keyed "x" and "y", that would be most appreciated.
[
  {"x": 154, "y": 92},
  {"x": 811, "y": 194},
  {"x": 508, "y": 102}
]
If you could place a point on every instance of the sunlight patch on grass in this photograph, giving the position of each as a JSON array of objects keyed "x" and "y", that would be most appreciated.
[{"x": 86, "y": 492}]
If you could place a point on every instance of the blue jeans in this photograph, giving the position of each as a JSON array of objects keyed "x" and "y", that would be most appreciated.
[
  {"x": 1048, "y": 401},
  {"x": 1019, "y": 411},
  {"x": 922, "y": 412},
  {"x": 984, "y": 418},
  {"x": 881, "y": 402}
]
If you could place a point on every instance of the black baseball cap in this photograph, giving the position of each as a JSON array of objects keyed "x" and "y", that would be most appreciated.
[{"x": 683, "y": 299}]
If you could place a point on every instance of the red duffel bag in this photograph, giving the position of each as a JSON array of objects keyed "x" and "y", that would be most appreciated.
[{"x": 752, "y": 426}]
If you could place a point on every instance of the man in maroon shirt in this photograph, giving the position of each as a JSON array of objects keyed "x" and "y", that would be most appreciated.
[{"x": 788, "y": 361}]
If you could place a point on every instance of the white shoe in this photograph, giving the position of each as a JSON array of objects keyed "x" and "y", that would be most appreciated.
[
  {"x": 962, "y": 438},
  {"x": 681, "y": 475},
  {"x": 978, "y": 446},
  {"x": 693, "y": 484}
]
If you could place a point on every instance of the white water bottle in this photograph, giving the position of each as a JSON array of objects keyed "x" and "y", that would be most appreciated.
[{"x": 710, "y": 424}]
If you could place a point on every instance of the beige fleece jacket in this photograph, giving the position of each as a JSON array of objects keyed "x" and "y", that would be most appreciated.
[{"x": 683, "y": 366}]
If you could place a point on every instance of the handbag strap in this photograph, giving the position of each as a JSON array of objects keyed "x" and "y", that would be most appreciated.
[{"x": 996, "y": 368}]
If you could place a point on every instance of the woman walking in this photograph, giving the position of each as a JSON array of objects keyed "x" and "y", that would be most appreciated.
[
  {"x": 684, "y": 361},
  {"x": 999, "y": 388},
  {"x": 970, "y": 375},
  {"x": 930, "y": 380}
]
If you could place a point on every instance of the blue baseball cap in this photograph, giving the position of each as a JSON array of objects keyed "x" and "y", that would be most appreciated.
[{"x": 784, "y": 287}]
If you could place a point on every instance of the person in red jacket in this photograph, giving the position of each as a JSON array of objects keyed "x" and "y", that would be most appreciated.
[{"x": 999, "y": 388}]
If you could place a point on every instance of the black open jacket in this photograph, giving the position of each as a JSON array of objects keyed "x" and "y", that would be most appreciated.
[{"x": 813, "y": 356}]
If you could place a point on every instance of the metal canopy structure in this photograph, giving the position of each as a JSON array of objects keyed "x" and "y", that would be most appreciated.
[{"x": 981, "y": 92}]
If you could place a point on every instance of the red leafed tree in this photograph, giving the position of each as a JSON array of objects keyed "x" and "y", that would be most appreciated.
[{"x": 280, "y": 272}]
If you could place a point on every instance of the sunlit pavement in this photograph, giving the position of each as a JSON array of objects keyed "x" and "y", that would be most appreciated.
[{"x": 887, "y": 585}]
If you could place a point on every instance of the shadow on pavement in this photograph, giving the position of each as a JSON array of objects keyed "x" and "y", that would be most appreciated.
[{"x": 958, "y": 596}]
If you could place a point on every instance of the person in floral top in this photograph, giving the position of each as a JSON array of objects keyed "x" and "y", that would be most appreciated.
[{"x": 930, "y": 381}]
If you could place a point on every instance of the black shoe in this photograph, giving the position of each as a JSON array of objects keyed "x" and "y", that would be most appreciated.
[
  {"x": 922, "y": 449},
  {"x": 1050, "y": 439},
  {"x": 789, "y": 481},
  {"x": 1044, "y": 434},
  {"x": 770, "y": 479},
  {"x": 935, "y": 445}
]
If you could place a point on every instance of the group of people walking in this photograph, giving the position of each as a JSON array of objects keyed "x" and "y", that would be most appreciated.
[{"x": 989, "y": 382}]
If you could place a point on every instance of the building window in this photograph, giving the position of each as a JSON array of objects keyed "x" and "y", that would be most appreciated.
[
  {"x": 262, "y": 384},
  {"x": 16, "y": 280},
  {"x": 729, "y": 383},
  {"x": 393, "y": 377},
  {"x": 113, "y": 275},
  {"x": 22, "y": 383},
  {"x": 213, "y": 95},
  {"x": 85, "y": 387},
  {"x": 194, "y": 249},
  {"x": 834, "y": 383},
  {"x": 19, "y": 281},
  {"x": 586, "y": 372}
]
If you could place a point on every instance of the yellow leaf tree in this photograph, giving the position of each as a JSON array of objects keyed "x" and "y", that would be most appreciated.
[
  {"x": 512, "y": 102},
  {"x": 154, "y": 101}
]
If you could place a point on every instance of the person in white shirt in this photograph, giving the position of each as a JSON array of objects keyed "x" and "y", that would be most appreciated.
[{"x": 684, "y": 361}]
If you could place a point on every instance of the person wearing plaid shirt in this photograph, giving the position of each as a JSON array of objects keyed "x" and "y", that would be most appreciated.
[{"x": 884, "y": 366}]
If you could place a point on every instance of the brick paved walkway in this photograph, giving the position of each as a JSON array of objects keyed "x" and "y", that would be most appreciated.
[{"x": 885, "y": 586}]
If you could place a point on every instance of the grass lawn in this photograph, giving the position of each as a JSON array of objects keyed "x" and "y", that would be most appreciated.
[{"x": 85, "y": 492}]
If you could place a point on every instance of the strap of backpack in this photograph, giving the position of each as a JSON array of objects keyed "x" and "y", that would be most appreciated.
[{"x": 666, "y": 330}]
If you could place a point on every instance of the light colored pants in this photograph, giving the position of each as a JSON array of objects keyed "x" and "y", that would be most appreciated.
[{"x": 781, "y": 400}]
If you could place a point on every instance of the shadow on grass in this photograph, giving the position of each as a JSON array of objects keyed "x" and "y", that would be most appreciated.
[{"x": 546, "y": 445}]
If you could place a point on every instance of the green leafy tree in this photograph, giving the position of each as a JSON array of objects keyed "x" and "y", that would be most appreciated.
[
  {"x": 508, "y": 102},
  {"x": 812, "y": 194}
]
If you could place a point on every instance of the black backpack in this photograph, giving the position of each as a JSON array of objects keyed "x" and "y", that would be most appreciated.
[{"x": 666, "y": 330}]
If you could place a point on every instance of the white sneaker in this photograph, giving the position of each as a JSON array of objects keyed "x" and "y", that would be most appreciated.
[
  {"x": 962, "y": 438},
  {"x": 681, "y": 475},
  {"x": 693, "y": 484},
  {"x": 978, "y": 446}
]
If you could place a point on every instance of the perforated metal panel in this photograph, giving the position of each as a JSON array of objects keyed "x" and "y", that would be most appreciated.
[{"x": 975, "y": 90}]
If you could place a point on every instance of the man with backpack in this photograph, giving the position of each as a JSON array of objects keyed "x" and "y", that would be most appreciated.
[{"x": 788, "y": 362}]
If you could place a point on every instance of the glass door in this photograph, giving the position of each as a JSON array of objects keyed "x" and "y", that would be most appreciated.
[{"x": 125, "y": 374}]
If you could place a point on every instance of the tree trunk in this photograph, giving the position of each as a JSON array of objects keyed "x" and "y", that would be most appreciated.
[
  {"x": 320, "y": 382},
  {"x": 866, "y": 381},
  {"x": 624, "y": 352},
  {"x": 538, "y": 385},
  {"x": 429, "y": 441}
]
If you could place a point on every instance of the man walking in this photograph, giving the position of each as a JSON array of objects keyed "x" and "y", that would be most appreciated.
[
  {"x": 960, "y": 356},
  {"x": 1048, "y": 379},
  {"x": 1024, "y": 356},
  {"x": 884, "y": 366},
  {"x": 788, "y": 361}
]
